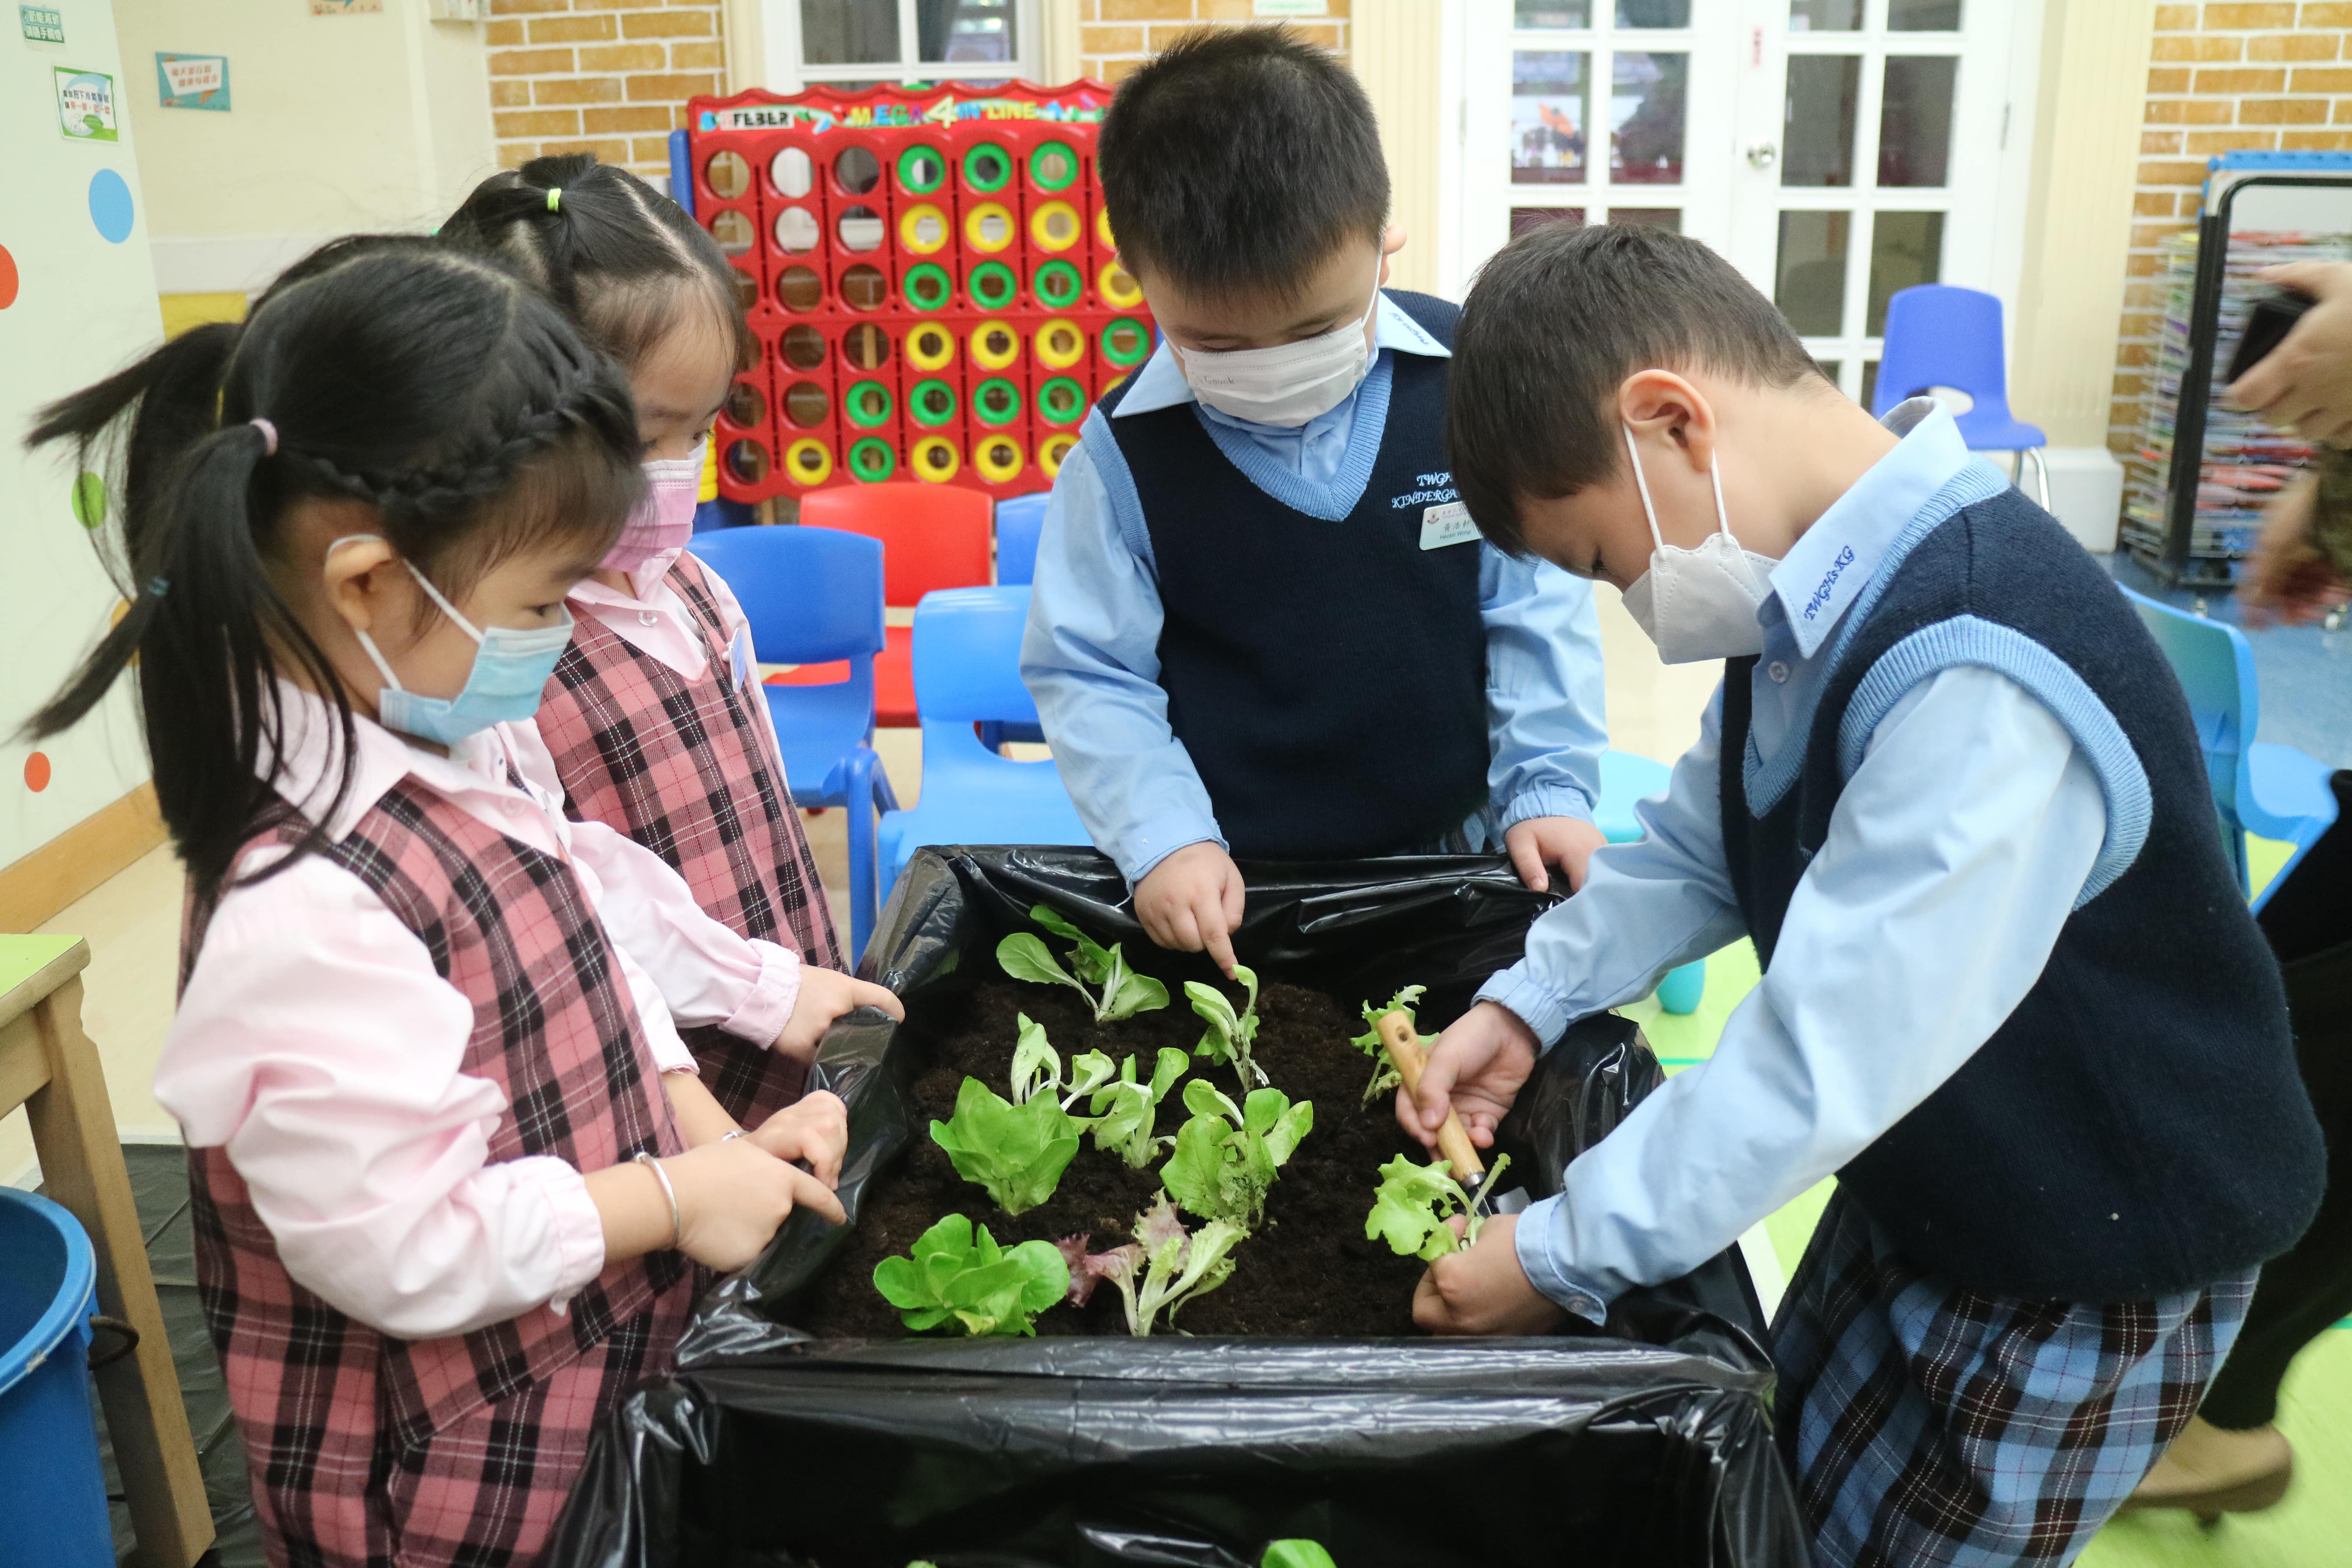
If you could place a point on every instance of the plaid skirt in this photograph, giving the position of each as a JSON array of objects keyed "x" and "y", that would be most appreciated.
[{"x": 1933, "y": 1427}]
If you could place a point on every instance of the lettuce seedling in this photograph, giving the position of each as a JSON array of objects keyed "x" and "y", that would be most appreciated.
[
  {"x": 1017, "y": 1152},
  {"x": 1414, "y": 1202},
  {"x": 1164, "y": 1266},
  {"x": 1125, "y": 1110},
  {"x": 1384, "y": 1072},
  {"x": 1037, "y": 1068},
  {"x": 1230, "y": 1035},
  {"x": 1226, "y": 1155},
  {"x": 958, "y": 1274},
  {"x": 1116, "y": 992}
]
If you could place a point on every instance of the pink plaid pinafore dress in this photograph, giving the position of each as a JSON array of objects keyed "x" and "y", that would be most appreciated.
[
  {"x": 690, "y": 770},
  {"x": 367, "y": 1451}
]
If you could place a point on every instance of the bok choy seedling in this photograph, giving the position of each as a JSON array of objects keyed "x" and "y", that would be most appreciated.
[
  {"x": 1017, "y": 1152},
  {"x": 1230, "y": 1035},
  {"x": 1037, "y": 1068},
  {"x": 1099, "y": 975},
  {"x": 1164, "y": 1266},
  {"x": 1125, "y": 1110},
  {"x": 1226, "y": 1155},
  {"x": 1384, "y": 1073},
  {"x": 1412, "y": 1205},
  {"x": 958, "y": 1275}
]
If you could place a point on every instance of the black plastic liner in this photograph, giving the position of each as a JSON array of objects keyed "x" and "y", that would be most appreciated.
[{"x": 1646, "y": 1444}]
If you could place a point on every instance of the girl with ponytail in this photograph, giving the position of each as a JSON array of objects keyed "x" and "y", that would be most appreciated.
[
  {"x": 654, "y": 721},
  {"x": 452, "y": 1170}
]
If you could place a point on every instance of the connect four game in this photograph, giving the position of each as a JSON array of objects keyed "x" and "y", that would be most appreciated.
[{"x": 931, "y": 277}]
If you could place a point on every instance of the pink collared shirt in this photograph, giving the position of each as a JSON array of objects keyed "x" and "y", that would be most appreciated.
[
  {"x": 317, "y": 1045},
  {"x": 654, "y": 620}
]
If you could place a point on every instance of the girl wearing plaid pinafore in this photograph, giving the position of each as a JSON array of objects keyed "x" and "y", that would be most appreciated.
[
  {"x": 452, "y": 1168},
  {"x": 654, "y": 719}
]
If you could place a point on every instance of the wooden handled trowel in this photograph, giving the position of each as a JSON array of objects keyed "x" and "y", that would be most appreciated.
[{"x": 1403, "y": 1046}]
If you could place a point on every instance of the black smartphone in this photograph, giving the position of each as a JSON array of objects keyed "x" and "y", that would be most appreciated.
[{"x": 2267, "y": 326}]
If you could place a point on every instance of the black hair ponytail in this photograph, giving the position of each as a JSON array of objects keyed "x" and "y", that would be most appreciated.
[
  {"x": 624, "y": 261},
  {"x": 436, "y": 389}
]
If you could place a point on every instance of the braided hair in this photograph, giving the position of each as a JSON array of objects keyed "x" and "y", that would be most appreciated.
[
  {"x": 432, "y": 387},
  {"x": 624, "y": 262}
]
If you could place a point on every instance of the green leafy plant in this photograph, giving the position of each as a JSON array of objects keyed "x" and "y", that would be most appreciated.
[
  {"x": 1298, "y": 1553},
  {"x": 1230, "y": 1035},
  {"x": 1163, "y": 1268},
  {"x": 1017, "y": 1152},
  {"x": 1226, "y": 1155},
  {"x": 958, "y": 1275},
  {"x": 1099, "y": 975},
  {"x": 1126, "y": 1110},
  {"x": 1414, "y": 1202},
  {"x": 1384, "y": 1072},
  {"x": 1037, "y": 1068}
]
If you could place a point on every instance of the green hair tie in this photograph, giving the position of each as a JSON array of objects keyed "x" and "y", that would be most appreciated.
[{"x": 554, "y": 194}]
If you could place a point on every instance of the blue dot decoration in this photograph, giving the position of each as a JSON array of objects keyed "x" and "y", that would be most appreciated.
[{"x": 109, "y": 205}]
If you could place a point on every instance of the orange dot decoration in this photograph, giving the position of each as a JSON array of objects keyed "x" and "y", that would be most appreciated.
[{"x": 37, "y": 771}]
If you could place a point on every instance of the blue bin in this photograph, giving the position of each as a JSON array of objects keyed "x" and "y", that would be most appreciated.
[{"x": 52, "y": 1494}]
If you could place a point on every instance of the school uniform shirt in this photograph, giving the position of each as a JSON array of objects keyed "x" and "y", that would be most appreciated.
[
  {"x": 315, "y": 1045},
  {"x": 1958, "y": 849},
  {"x": 1091, "y": 657}
]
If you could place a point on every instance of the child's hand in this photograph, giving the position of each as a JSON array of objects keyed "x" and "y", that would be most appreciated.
[
  {"x": 1567, "y": 842},
  {"x": 2288, "y": 579},
  {"x": 816, "y": 1128},
  {"x": 732, "y": 1196},
  {"x": 1477, "y": 1067},
  {"x": 825, "y": 995},
  {"x": 1482, "y": 1290},
  {"x": 1192, "y": 901}
]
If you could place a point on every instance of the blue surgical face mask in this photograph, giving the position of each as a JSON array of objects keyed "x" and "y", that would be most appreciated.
[{"x": 510, "y": 671}]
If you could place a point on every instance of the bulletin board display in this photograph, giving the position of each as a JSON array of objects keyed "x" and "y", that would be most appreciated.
[{"x": 930, "y": 274}]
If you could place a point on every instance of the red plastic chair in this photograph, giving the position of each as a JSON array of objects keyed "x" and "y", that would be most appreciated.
[{"x": 933, "y": 536}]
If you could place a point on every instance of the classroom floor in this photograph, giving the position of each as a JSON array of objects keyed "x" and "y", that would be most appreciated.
[{"x": 2305, "y": 676}]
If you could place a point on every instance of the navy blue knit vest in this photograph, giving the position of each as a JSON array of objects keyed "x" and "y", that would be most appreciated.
[
  {"x": 1328, "y": 678},
  {"x": 2136, "y": 1125}
]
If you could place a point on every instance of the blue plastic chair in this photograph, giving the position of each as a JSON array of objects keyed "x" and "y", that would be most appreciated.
[
  {"x": 2258, "y": 787},
  {"x": 814, "y": 595},
  {"x": 1626, "y": 779},
  {"x": 1019, "y": 521},
  {"x": 968, "y": 671},
  {"x": 1937, "y": 335}
]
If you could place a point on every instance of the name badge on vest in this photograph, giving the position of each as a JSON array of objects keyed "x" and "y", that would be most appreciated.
[
  {"x": 738, "y": 660},
  {"x": 1447, "y": 524}
]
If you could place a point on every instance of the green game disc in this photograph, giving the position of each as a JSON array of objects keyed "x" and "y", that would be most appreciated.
[
  {"x": 869, "y": 406},
  {"x": 1062, "y": 401},
  {"x": 986, "y": 168},
  {"x": 996, "y": 402},
  {"x": 927, "y": 287},
  {"x": 921, "y": 170},
  {"x": 991, "y": 285},
  {"x": 872, "y": 460},
  {"x": 1058, "y": 284},
  {"x": 1053, "y": 165},
  {"x": 1126, "y": 343},
  {"x": 932, "y": 403}
]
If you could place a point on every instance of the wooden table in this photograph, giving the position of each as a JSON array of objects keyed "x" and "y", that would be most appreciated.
[{"x": 49, "y": 1067}]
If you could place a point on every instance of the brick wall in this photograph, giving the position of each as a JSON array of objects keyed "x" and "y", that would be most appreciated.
[
  {"x": 1116, "y": 35},
  {"x": 2225, "y": 77},
  {"x": 607, "y": 76}
]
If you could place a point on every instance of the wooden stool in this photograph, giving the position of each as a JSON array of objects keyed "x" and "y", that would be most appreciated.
[{"x": 49, "y": 1067}]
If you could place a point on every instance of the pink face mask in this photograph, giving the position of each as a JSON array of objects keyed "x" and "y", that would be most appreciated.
[{"x": 664, "y": 520}]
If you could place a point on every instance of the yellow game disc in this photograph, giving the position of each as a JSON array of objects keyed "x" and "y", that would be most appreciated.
[
  {"x": 1056, "y": 225},
  {"x": 930, "y": 347},
  {"x": 990, "y": 228},
  {"x": 998, "y": 459},
  {"x": 934, "y": 459},
  {"x": 924, "y": 229},
  {"x": 1117, "y": 287},
  {"x": 994, "y": 345},
  {"x": 1051, "y": 450},
  {"x": 1102, "y": 228},
  {"x": 808, "y": 461},
  {"x": 1060, "y": 345}
]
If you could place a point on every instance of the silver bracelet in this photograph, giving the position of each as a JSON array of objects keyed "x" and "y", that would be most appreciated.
[
  {"x": 739, "y": 1132},
  {"x": 677, "y": 1225}
]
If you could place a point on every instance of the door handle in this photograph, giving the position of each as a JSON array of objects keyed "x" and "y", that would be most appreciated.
[{"x": 1763, "y": 156}]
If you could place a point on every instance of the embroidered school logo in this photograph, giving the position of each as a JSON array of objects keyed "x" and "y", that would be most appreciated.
[
  {"x": 1822, "y": 594},
  {"x": 1432, "y": 490}
]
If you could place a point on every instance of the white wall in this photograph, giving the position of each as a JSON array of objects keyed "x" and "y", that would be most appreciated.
[{"x": 336, "y": 124}]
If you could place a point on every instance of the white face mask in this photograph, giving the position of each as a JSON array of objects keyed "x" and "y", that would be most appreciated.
[
  {"x": 1698, "y": 603},
  {"x": 1288, "y": 383}
]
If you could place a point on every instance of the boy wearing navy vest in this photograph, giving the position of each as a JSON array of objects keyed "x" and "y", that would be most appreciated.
[
  {"x": 2012, "y": 997},
  {"x": 1262, "y": 622}
]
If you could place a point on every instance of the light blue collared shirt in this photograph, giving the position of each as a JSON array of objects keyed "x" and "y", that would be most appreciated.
[
  {"x": 1962, "y": 840},
  {"x": 1091, "y": 656}
]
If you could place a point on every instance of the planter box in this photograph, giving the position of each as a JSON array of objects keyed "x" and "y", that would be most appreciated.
[{"x": 1646, "y": 1444}]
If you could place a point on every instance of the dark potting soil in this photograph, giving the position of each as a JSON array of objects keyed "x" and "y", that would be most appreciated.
[{"x": 1308, "y": 1271}]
